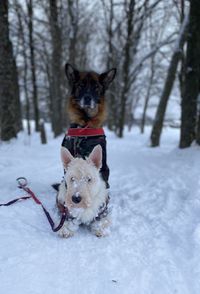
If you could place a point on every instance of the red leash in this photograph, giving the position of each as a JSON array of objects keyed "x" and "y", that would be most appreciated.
[{"x": 22, "y": 184}]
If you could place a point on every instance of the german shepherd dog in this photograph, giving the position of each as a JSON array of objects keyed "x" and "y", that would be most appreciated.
[
  {"x": 87, "y": 113},
  {"x": 87, "y": 101}
]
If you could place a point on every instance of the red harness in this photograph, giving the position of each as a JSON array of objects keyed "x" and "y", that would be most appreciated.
[{"x": 84, "y": 132}]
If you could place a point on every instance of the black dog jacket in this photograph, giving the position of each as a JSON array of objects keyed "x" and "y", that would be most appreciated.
[{"x": 81, "y": 141}]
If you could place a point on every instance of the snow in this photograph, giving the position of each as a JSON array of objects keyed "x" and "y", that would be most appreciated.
[{"x": 154, "y": 244}]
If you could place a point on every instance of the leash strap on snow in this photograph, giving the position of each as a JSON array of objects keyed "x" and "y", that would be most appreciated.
[
  {"x": 22, "y": 184},
  {"x": 15, "y": 200}
]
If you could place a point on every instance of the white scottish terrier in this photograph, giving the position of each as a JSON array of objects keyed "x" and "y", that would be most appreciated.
[{"x": 83, "y": 193}]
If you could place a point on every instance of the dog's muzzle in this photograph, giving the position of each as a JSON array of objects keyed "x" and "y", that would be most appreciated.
[{"x": 87, "y": 101}]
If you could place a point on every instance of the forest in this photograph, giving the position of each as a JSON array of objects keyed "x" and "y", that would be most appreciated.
[
  {"x": 154, "y": 44},
  {"x": 125, "y": 218}
]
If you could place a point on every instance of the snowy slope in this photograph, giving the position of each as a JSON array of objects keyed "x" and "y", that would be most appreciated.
[{"x": 154, "y": 246}]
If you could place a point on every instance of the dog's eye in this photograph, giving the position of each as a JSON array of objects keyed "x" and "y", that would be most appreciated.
[
  {"x": 98, "y": 88},
  {"x": 89, "y": 179},
  {"x": 72, "y": 179}
]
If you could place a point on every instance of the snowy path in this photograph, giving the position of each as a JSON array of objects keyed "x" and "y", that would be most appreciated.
[{"x": 154, "y": 247}]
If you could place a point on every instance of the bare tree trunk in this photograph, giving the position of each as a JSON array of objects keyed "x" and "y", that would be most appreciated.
[
  {"x": 147, "y": 98},
  {"x": 160, "y": 113},
  {"x": 48, "y": 69},
  {"x": 110, "y": 63},
  {"x": 10, "y": 114},
  {"x": 183, "y": 69},
  {"x": 135, "y": 22},
  {"x": 192, "y": 78},
  {"x": 57, "y": 121},
  {"x": 18, "y": 9},
  {"x": 198, "y": 123},
  {"x": 17, "y": 111},
  {"x": 43, "y": 136},
  {"x": 73, "y": 11},
  {"x": 108, "y": 10},
  {"x": 33, "y": 65},
  {"x": 126, "y": 65}
]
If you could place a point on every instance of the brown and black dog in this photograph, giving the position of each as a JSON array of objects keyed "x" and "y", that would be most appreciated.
[
  {"x": 87, "y": 101},
  {"x": 87, "y": 113}
]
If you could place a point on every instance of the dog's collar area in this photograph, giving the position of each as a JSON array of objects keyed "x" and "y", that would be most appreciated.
[
  {"x": 103, "y": 210},
  {"x": 85, "y": 132}
]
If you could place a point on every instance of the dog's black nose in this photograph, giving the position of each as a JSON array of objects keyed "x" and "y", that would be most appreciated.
[
  {"x": 76, "y": 199},
  {"x": 87, "y": 100}
]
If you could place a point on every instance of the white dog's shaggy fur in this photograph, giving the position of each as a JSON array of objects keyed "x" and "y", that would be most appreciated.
[{"x": 82, "y": 180}]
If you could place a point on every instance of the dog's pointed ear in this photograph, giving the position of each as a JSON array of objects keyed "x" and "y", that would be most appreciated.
[
  {"x": 66, "y": 157},
  {"x": 96, "y": 156},
  {"x": 71, "y": 73},
  {"x": 107, "y": 77}
]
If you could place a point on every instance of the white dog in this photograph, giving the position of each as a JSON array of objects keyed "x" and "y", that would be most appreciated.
[{"x": 84, "y": 194}]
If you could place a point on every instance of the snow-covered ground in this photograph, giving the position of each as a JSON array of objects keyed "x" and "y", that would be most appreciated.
[{"x": 154, "y": 246}]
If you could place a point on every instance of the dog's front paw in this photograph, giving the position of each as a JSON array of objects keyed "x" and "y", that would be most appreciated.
[
  {"x": 101, "y": 228},
  {"x": 64, "y": 232},
  {"x": 100, "y": 233}
]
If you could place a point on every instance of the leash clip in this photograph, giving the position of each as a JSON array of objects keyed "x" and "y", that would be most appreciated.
[{"x": 22, "y": 182}]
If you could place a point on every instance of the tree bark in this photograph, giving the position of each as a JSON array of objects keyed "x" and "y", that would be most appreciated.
[
  {"x": 73, "y": 10},
  {"x": 126, "y": 65},
  {"x": 160, "y": 113},
  {"x": 18, "y": 9},
  {"x": 111, "y": 61},
  {"x": 43, "y": 136},
  {"x": 18, "y": 111},
  {"x": 198, "y": 124},
  {"x": 10, "y": 113},
  {"x": 192, "y": 78},
  {"x": 33, "y": 65},
  {"x": 57, "y": 121},
  {"x": 111, "y": 118},
  {"x": 147, "y": 98}
]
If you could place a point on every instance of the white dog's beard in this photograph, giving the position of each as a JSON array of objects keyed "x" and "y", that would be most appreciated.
[
  {"x": 84, "y": 204},
  {"x": 76, "y": 212}
]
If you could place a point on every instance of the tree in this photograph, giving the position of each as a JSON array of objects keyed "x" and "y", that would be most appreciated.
[
  {"x": 160, "y": 113},
  {"x": 56, "y": 73},
  {"x": 73, "y": 9},
  {"x": 95, "y": 35},
  {"x": 126, "y": 65},
  {"x": 21, "y": 28},
  {"x": 192, "y": 79},
  {"x": 10, "y": 111},
  {"x": 29, "y": 4},
  {"x": 125, "y": 23},
  {"x": 148, "y": 94},
  {"x": 109, "y": 11}
]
